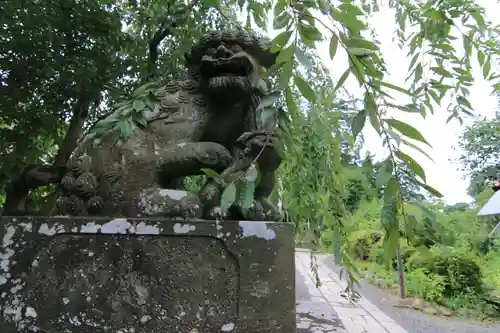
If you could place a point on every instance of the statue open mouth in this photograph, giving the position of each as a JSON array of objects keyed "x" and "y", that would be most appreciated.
[{"x": 234, "y": 66}]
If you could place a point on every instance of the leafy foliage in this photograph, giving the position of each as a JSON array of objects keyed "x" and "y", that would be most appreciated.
[{"x": 480, "y": 144}]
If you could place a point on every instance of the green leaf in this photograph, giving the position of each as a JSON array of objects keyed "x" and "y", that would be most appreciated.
[
  {"x": 211, "y": 3},
  {"x": 251, "y": 174},
  {"x": 481, "y": 57},
  {"x": 407, "y": 130},
  {"x": 358, "y": 52},
  {"x": 487, "y": 68},
  {"x": 371, "y": 106},
  {"x": 210, "y": 173},
  {"x": 384, "y": 173},
  {"x": 228, "y": 197},
  {"x": 417, "y": 148},
  {"x": 358, "y": 123},
  {"x": 290, "y": 104},
  {"x": 125, "y": 128},
  {"x": 125, "y": 110},
  {"x": 139, "y": 105},
  {"x": 413, "y": 61},
  {"x": 269, "y": 118},
  {"x": 342, "y": 79},
  {"x": 476, "y": 14},
  {"x": 441, "y": 71},
  {"x": 286, "y": 54},
  {"x": 410, "y": 226},
  {"x": 418, "y": 72},
  {"x": 464, "y": 101},
  {"x": 349, "y": 20},
  {"x": 280, "y": 41},
  {"x": 303, "y": 59},
  {"x": 106, "y": 123},
  {"x": 430, "y": 189},
  {"x": 304, "y": 88},
  {"x": 412, "y": 164},
  {"x": 310, "y": 33},
  {"x": 334, "y": 43},
  {"x": 360, "y": 43},
  {"x": 144, "y": 89},
  {"x": 393, "y": 87},
  {"x": 279, "y": 7},
  {"x": 281, "y": 20},
  {"x": 324, "y": 5},
  {"x": 391, "y": 238},
  {"x": 248, "y": 194},
  {"x": 391, "y": 189},
  {"x": 357, "y": 69},
  {"x": 351, "y": 9},
  {"x": 467, "y": 43},
  {"x": 141, "y": 121},
  {"x": 285, "y": 75}
]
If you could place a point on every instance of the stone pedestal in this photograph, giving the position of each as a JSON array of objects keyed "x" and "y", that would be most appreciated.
[{"x": 93, "y": 275}]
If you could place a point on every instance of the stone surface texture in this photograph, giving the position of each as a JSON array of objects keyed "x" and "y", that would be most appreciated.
[{"x": 75, "y": 275}]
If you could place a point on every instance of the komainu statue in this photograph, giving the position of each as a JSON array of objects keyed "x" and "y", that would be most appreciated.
[{"x": 209, "y": 120}]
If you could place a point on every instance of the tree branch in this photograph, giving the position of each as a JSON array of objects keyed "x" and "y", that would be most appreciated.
[
  {"x": 34, "y": 176},
  {"x": 163, "y": 31},
  {"x": 158, "y": 37}
]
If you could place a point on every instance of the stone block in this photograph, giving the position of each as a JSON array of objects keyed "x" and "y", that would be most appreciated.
[{"x": 120, "y": 275}]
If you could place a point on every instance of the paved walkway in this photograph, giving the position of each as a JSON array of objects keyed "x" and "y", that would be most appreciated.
[{"x": 323, "y": 310}]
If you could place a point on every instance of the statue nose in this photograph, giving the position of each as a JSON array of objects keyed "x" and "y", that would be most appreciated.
[{"x": 223, "y": 52}]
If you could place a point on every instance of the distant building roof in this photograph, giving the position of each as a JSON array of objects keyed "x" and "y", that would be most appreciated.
[{"x": 492, "y": 207}]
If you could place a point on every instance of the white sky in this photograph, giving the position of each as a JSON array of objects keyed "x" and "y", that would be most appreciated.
[{"x": 442, "y": 174}]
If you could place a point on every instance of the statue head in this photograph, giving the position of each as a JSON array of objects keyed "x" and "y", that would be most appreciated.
[{"x": 228, "y": 64}]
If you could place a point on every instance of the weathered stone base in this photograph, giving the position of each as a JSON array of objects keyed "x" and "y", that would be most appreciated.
[{"x": 93, "y": 275}]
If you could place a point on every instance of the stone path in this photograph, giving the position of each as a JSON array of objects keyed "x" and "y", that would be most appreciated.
[{"x": 323, "y": 310}]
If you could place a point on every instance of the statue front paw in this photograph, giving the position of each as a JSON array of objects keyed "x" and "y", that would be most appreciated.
[{"x": 261, "y": 145}]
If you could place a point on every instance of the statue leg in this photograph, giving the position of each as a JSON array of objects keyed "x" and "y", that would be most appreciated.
[
  {"x": 187, "y": 159},
  {"x": 175, "y": 162},
  {"x": 262, "y": 193},
  {"x": 262, "y": 146}
]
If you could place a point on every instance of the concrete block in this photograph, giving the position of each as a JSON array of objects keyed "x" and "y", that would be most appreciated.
[{"x": 100, "y": 275}]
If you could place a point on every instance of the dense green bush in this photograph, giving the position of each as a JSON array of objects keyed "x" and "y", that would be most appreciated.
[
  {"x": 448, "y": 259},
  {"x": 426, "y": 285},
  {"x": 461, "y": 274},
  {"x": 361, "y": 243}
]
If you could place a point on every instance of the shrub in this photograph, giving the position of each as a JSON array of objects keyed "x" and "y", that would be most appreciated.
[
  {"x": 361, "y": 243},
  {"x": 326, "y": 239},
  {"x": 426, "y": 285},
  {"x": 460, "y": 273}
]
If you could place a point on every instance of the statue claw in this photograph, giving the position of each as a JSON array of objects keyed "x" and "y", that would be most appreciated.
[{"x": 254, "y": 143}]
